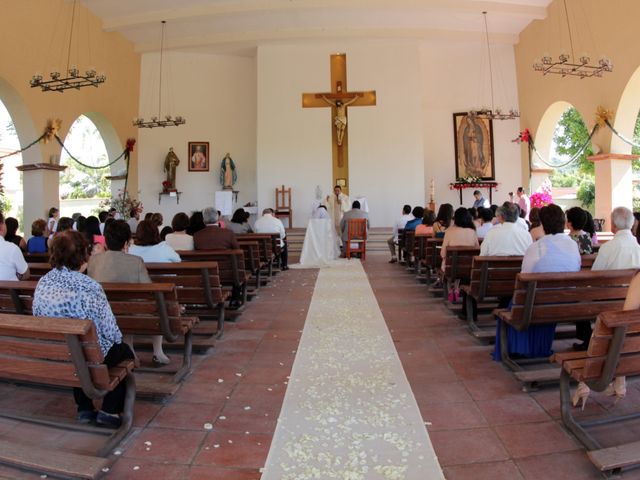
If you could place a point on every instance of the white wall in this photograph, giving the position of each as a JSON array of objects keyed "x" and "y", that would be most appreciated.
[
  {"x": 217, "y": 96},
  {"x": 455, "y": 78},
  {"x": 385, "y": 141}
]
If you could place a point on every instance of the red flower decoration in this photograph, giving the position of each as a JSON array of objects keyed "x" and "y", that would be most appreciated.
[
  {"x": 523, "y": 136},
  {"x": 130, "y": 143}
]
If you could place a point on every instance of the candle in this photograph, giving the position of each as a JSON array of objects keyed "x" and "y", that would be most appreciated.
[{"x": 433, "y": 189}]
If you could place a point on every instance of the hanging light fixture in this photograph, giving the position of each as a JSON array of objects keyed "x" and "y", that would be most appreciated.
[
  {"x": 493, "y": 113},
  {"x": 159, "y": 120},
  {"x": 566, "y": 64},
  {"x": 73, "y": 79}
]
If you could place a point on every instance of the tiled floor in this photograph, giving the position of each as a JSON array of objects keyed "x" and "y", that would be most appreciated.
[{"x": 481, "y": 424}]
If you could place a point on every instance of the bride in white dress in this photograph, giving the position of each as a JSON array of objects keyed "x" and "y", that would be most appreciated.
[{"x": 320, "y": 247}]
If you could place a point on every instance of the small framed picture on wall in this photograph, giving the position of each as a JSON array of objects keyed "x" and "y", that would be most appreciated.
[{"x": 198, "y": 156}]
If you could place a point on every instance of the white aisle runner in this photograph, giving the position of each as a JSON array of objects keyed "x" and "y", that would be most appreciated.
[{"x": 349, "y": 412}]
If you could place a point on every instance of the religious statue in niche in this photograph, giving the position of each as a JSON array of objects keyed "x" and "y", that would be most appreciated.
[
  {"x": 473, "y": 146},
  {"x": 340, "y": 120},
  {"x": 171, "y": 162},
  {"x": 228, "y": 175}
]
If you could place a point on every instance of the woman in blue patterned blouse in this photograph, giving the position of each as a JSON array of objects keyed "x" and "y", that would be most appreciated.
[{"x": 68, "y": 293}]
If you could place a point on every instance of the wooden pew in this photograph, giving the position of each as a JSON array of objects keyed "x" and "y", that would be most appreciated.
[
  {"x": 140, "y": 309},
  {"x": 36, "y": 257},
  {"x": 60, "y": 352},
  {"x": 407, "y": 249},
  {"x": 199, "y": 292},
  {"x": 38, "y": 269},
  {"x": 458, "y": 266},
  {"x": 493, "y": 278},
  {"x": 419, "y": 256},
  {"x": 252, "y": 263},
  {"x": 400, "y": 245},
  {"x": 433, "y": 260},
  {"x": 230, "y": 267},
  {"x": 267, "y": 250},
  {"x": 545, "y": 298},
  {"x": 614, "y": 350}
]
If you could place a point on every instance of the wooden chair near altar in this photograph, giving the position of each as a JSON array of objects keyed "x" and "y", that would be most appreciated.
[
  {"x": 283, "y": 205},
  {"x": 356, "y": 238}
]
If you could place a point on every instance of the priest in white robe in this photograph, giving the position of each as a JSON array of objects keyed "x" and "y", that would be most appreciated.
[{"x": 337, "y": 205}]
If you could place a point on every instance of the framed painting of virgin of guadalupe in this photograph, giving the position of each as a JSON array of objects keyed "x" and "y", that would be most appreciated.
[{"x": 474, "y": 146}]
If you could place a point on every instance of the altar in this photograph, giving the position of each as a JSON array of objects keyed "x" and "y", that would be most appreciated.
[{"x": 320, "y": 247}]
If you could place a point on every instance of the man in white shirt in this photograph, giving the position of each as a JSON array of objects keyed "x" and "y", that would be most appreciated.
[
  {"x": 134, "y": 218},
  {"x": 270, "y": 224},
  {"x": 523, "y": 202},
  {"x": 506, "y": 238},
  {"x": 621, "y": 252},
  {"x": 485, "y": 216},
  {"x": 399, "y": 225},
  {"x": 12, "y": 263}
]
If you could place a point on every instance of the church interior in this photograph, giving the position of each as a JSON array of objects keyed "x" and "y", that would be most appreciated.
[{"x": 357, "y": 368}]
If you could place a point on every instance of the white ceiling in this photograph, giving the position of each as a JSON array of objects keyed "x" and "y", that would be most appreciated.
[{"x": 238, "y": 26}]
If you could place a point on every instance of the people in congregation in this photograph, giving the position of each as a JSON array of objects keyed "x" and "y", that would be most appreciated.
[
  {"x": 425, "y": 229},
  {"x": 524, "y": 203},
  {"x": 196, "y": 223},
  {"x": 213, "y": 237},
  {"x": 576, "y": 220},
  {"x": 473, "y": 211},
  {"x": 270, "y": 224},
  {"x": 179, "y": 239},
  {"x": 239, "y": 223},
  {"x": 93, "y": 234},
  {"x": 149, "y": 246},
  {"x": 63, "y": 224},
  {"x": 485, "y": 218},
  {"x": 66, "y": 292},
  {"x": 134, "y": 218},
  {"x": 164, "y": 232},
  {"x": 352, "y": 214},
  {"x": 418, "y": 213},
  {"x": 147, "y": 216},
  {"x": 443, "y": 219},
  {"x": 480, "y": 201},
  {"x": 158, "y": 220},
  {"x": 12, "y": 263},
  {"x": 52, "y": 221},
  {"x": 506, "y": 238},
  {"x": 116, "y": 264},
  {"x": 399, "y": 224},
  {"x": 81, "y": 221},
  {"x": 12, "y": 233},
  {"x": 38, "y": 241},
  {"x": 221, "y": 221},
  {"x": 102, "y": 216},
  {"x": 554, "y": 252},
  {"x": 520, "y": 221},
  {"x": 535, "y": 228},
  {"x": 461, "y": 234},
  {"x": 590, "y": 228}
]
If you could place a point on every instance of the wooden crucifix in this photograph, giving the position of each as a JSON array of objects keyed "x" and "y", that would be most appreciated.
[{"x": 339, "y": 99}]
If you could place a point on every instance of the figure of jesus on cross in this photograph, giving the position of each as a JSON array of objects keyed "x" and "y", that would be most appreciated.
[{"x": 340, "y": 120}]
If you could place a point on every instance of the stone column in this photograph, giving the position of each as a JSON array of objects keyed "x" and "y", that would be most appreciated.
[
  {"x": 538, "y": 176},
  {"x": 41, "y": 190},
  {"x": 614, "y": 184}
]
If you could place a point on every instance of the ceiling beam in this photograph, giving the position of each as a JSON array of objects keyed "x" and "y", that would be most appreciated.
[
  {"x": 228, "y": 8},
  {"x": 261, "y": 37}
]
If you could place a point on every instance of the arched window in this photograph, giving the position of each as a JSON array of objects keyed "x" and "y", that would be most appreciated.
[
  {"x": 81, "y": 187},
  {"x": 11, "y": 179}
]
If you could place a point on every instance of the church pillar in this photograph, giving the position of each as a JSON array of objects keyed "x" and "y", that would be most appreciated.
[
  {"x": 538, "y": 176},
  {"x": 41, "y": 190},
  {"x": 614, "y": 184}
]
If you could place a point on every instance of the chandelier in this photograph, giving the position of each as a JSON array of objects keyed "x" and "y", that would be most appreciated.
[
  {"x": 73, "y": 78},
  {"x": 493, "y": 113},
  {"x": 567, "y": 65},
  {"x": 159, "y": 120}
]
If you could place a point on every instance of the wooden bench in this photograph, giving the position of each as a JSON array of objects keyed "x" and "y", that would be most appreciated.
[
  {"x": 231, "y": 269},
  {"x": 60, "y": 352},
  {"x": 252, "y": 263},
  {"x": 407, "y": 249},
  {"x": 420, "y": 255},
  {"x": 493, "y": 278},
  {"x": 400, "y": 245},
  {"x": 199, "y": 292},
  {"x": 458, "y": 266},
  {"x": 433, "y": 260},
  {"x": 267, "y": 250},
  {"x": 36, "y": 257},
  {"x": 614, "y": 350},
  {"x": 140, "y": 309},
  {"x": 549, "y": 298},
  {"x": 38, "y": 269}
]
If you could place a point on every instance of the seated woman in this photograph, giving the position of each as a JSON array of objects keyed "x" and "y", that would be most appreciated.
[
  {"x": 555, "y": 252},
  {"x": 443, "y": 219},
  {"x": 239, "y": 222},
  {"x": 149, "y": 246},
  {"x": 576, "y": 220},
  {"x": 66, "y": 292},
  {"x": 12, "y": 233},
  {"x": 535, "y": 230},
  {"x": 485, "y": 217},
  {"x": 64, "y": 224},
  {"x": 179, "y": 239},
  {"x": 196, "y": 223},
  {"x": 461, "y": 234},
  {"x": 426, "y": 227},
  {"x": 590, "y": 228},
  {"x": 93, "y": 235},
  {"x": 38, "y": 241}
]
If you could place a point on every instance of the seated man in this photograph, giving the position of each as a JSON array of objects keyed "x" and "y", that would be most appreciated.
[
  {"x": 213, "y": 237},
  {"x": 506, "y": 238},
  {"x": 12, "y": 263},
  {"x": 398, "y": 225},
  {"x": 418, "y": 213},
  {"x": 485, "y": 216},
  {"x": 270, "y": 224},
  {"x": 352, "y": 214},
  {"x": 480, "y": 201}
]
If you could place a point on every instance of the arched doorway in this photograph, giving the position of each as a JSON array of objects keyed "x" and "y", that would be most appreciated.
[
  {"x": 83, "y": 187},
  {"x": 11, "y": 199}
]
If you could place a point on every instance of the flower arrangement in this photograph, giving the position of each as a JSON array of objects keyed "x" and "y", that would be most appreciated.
[
  {"x": 540, "y": 200},
  {"x": 165, "y": 186},
  {"x": 523, "y": 136},
  {"x": 123, "y": 203}
]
